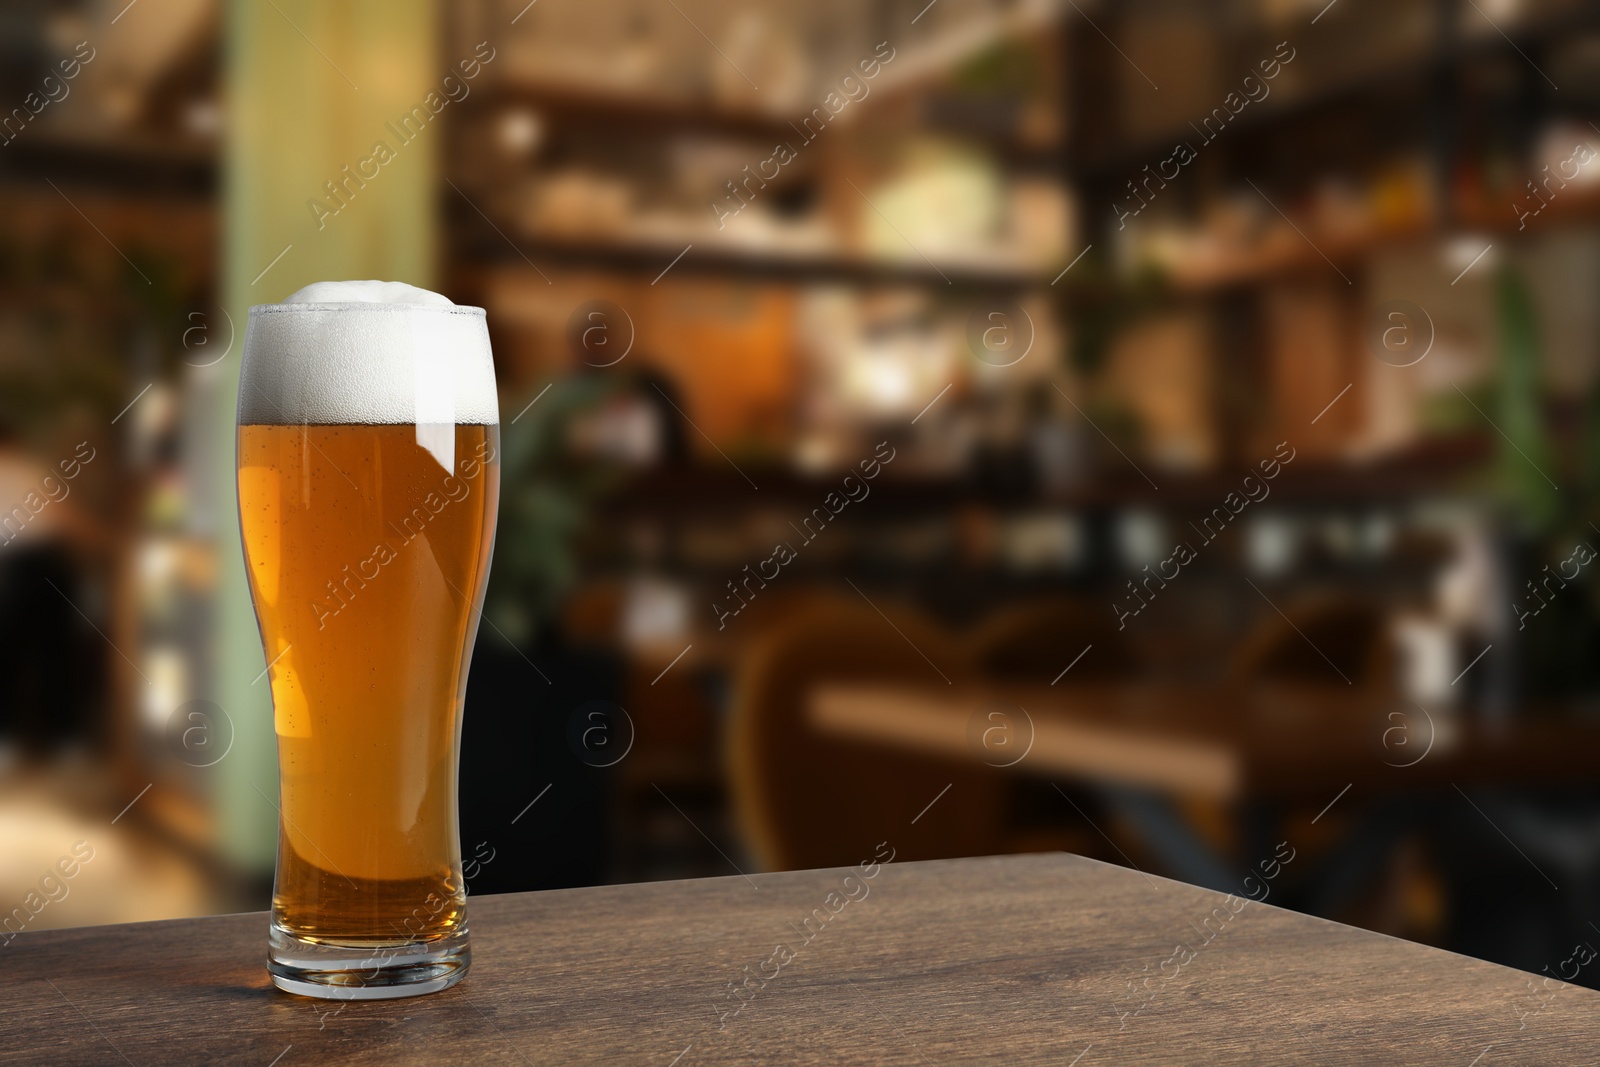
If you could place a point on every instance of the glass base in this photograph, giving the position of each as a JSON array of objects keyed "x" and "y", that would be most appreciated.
[{"x": 366, "y": 970}]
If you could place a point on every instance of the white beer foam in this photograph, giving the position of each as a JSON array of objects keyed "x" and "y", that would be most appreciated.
[
  {"x": 367, "y": 292},
  {"x": 367, "y": 352}
]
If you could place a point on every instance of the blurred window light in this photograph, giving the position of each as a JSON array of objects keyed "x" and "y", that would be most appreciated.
[
  {"x": 655, "y": 611},
  {"x": 520, "y": 131},
  {"x": 1427, "y": 659},
  {"x": 1466, "y": 588},
  {"x": 1499, "y": 10},
  {"x": 157, "y": 562},
  {"x": 1141, "y": 539},
  {"x": 1271, "y": 544},
  {"x": 1377, "y": 535},
  {"x": 1566, "y": 152},
  {"x": 1042, "y": 542},
  {"x": 167, "y": 668},
  {"x": 880, "y": 380}
]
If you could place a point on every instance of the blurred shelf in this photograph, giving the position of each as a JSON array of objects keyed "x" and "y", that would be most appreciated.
[
  {"x": 140, "y": 166},
  {"x": 917, "y": 67},
  {"x": 634, "y": 111},
  {"x": 650, "y": 260},
  {"x": 1419, "y": 67},
  {"x": 1424, "y": 472},
  {"x": 1315, "y": 249},
  {"x": 1498, "y": 216},
  {"x": 705, "y": 489},
  {"x": 1293, "y": 254},
  {"x": 604, "y": 113}
]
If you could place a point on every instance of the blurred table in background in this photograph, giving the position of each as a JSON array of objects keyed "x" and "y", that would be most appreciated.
[
  {"x": 1224, "y": 742},
  {"x": 1254, "y": 747}
]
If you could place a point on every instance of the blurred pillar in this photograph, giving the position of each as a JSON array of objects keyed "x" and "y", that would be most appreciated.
[{"x": 311, "y": 89}]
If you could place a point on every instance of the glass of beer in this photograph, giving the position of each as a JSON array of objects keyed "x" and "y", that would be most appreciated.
[{"x": 368, "y": 486}]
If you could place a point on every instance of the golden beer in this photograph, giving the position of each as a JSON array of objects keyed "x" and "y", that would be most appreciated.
[{"x": 367, "y": 547}]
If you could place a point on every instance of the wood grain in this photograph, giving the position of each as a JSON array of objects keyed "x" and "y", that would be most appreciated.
[{"x": 1023, "y": 959}]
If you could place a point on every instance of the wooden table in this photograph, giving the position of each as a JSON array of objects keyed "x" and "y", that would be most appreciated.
[{"x": 1022, "y": 959}]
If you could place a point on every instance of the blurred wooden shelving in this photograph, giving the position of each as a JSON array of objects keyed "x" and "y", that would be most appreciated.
[
  {"x": 142, "y": 166},
  {"x": 1286, "y": 252},
  {"x": 1447, "y": 55},
  {"x": 710, "y": 488},
  {"x": 634, "y": 113},
  {"x": 649, "y": 260},
  {"x": 652, "y": 117}
]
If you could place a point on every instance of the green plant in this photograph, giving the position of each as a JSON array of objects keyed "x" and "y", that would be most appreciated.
[
  {"x": 545, "y": 501},
  {"x": 1523, "y": 460}
]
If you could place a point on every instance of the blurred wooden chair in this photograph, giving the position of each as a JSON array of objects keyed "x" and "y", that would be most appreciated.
[
  {"x": 1034, "y": 641},
  {"x": 1316, "y": 637},
  {"x": 1323, "y": 640},
  {"x": 805, "y": 799}
]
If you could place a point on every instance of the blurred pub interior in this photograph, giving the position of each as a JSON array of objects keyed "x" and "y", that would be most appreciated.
[{"x": 1049, "y": 344}]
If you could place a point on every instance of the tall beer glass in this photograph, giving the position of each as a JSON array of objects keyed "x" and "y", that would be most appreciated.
[{"x": 368, "y": 486}]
